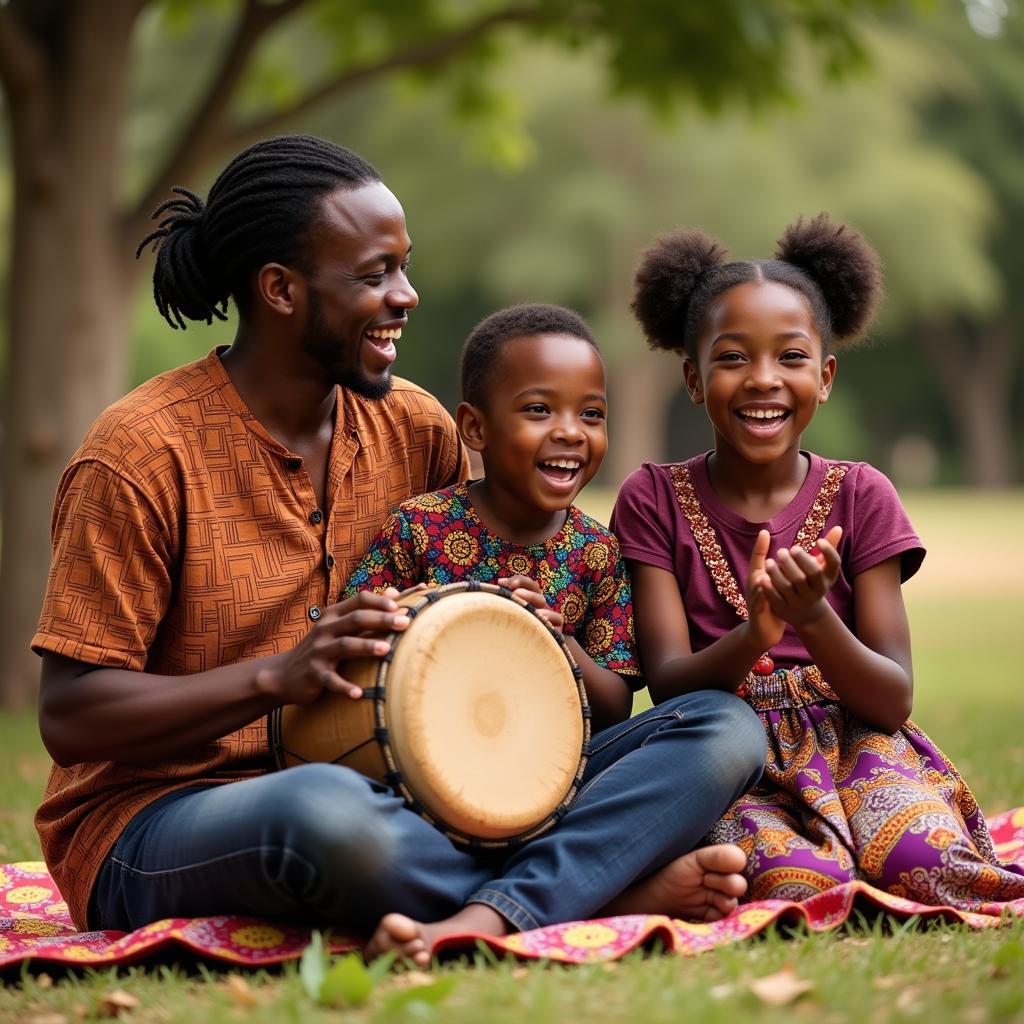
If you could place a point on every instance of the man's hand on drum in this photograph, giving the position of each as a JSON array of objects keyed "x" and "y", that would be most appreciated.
[
  {"x": 354, "y": 628},
  {"x": 528, "y": 590}
]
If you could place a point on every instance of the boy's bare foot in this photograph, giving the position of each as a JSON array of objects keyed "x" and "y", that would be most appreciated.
[
  {"x": 702, "y": 885},
  {"x": 413, "y": 940}
]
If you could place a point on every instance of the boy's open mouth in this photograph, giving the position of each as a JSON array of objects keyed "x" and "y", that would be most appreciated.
[{"x": 561, "y": 471}]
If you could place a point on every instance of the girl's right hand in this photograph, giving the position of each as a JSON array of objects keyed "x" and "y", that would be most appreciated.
[{"x": 765, "y": 626}]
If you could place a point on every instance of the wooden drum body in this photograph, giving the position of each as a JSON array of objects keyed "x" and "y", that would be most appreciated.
[{"x": 477, "y": 717}]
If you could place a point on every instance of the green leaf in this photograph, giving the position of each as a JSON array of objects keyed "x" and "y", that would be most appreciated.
[
  {"x": 1009, "y": 956},
  {"x": 382, "y": 965},
  {"x": 313, "y": 966},
  {"x": 419, "y": 1002},
  {"x": 348, "y": 982}
]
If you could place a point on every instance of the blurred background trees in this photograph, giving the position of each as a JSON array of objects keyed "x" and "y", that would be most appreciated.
[{"x": 537, "y": 147}]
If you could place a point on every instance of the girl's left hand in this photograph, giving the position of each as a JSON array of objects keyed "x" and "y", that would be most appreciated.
[
  {"x": 800, "y": 580},
  {"x": 528, "y": 590}
]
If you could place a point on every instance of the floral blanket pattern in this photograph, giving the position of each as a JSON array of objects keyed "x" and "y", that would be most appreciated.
[{"x": 34, "y": 924}]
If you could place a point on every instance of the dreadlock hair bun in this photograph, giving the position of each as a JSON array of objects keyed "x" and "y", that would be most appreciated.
[
  {"x": 667, "y": 281},
  {"x": 184, "y": 283},
  {"x": 259, "y": 210},
  {"x": 843, "y": 265}
]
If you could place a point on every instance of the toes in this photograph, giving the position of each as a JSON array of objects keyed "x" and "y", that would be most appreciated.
[
  {"x": 729, "y": 885},
  {"x": 401, "y": 934},
  {"x": 722, "y": 905},
  {"x": 402, "y": 929},
  {"x": 726, "y": 859}
]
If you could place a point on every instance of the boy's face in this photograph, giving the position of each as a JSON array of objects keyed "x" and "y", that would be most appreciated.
[{"x": 542, "y": 433}]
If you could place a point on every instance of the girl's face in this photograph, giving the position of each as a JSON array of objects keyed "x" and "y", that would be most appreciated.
[
  {"x": 542, "y": 433},
  {"x": 759, "y": 370}
]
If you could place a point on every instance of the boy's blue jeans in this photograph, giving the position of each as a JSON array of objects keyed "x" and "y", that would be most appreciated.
[{"x": 323, "y": 844}]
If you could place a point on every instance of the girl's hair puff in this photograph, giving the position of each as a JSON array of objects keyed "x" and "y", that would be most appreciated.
[
  {"x": 667, "y": 281},
  {"x": 843, "y": 265},
  {"x": 831, "y": 265}
]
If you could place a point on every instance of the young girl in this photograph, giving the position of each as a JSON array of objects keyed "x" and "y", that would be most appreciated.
[{"x": 765, "y": 569}]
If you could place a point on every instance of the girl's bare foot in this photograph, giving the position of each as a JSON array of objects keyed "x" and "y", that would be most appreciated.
[
  {"x": 413, "y": 940},
  {"x": 702, "y": 885}
]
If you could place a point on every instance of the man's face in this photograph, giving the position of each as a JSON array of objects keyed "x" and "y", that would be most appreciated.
[{"x": 359, "y": 294}]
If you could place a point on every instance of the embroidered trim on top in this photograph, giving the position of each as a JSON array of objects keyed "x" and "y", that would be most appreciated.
[{"x": 707, "y": 539}]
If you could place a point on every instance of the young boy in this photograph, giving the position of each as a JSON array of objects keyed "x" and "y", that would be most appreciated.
[{"x": 534, "y": 408}]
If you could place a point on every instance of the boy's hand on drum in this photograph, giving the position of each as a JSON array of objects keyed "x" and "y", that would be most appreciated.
[
  {"x": 528, "y": 590},
  {"x": 766, "y": 627},
  {"x": 799, "y": 579},
  {"x": 353, "y": 628}
]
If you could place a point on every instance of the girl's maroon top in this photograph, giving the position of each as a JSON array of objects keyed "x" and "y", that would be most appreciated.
[{"x": 653, "y": 528}]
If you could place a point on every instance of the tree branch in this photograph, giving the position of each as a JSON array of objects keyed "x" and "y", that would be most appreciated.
[
  {"x": 202, "y": 135},
  {"x": 22, "y": 63},
  {"x": 419, "y": 56}
]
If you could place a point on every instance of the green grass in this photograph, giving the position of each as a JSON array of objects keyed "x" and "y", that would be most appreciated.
[{"x": 965, "y": 610}]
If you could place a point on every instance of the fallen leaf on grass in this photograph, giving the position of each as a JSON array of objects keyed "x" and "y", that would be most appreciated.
[
  {"x": 909, "y": 1000},
  {"x": 413, "y": 979},
  {"x": 780, "y": 989},
  {"x": 115, "y": 1003},
  {"x": 519, "y": 973},
  {"x": 46, "y": 1018},
  {"x": 722, "y": 991},
  {"x": 888, "y": 981},
  {"x": 240, "y": 991}
]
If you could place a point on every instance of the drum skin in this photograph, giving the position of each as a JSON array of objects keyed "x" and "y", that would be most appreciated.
[{"x": 478, "y": 717}]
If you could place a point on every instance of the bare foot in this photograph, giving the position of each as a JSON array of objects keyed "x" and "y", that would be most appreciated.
[
  {"x": 702, "y": 885},
  {"x": 413, "y": 941}
]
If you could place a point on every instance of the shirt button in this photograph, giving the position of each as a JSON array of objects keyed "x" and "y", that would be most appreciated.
[
  {"x": 330, "y": 561},
  {"x": 294, "y": 464},
  {"x": 315, "y": 613},
  {"x": 316, "y": 516}
]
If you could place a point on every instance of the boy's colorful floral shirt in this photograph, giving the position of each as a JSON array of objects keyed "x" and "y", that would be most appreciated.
[{"x": 437, "y": 538}]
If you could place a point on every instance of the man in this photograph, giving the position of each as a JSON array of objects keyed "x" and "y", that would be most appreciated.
[{"x": 202, "y": 537}]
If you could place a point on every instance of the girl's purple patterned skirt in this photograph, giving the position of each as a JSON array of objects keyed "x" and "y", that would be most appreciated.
[{"x": 841, "y": 801}]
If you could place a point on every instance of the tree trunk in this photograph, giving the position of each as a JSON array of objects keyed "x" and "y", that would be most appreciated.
[
  {"x": 68, "y": 296},
  {"x": 981, "y": 405},
  {"x": 976, "y": 368},
  {"x": 643, "y": 387}
]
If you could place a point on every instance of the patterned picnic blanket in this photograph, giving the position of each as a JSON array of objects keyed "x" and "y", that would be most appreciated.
[{"x": 34, "y": 924}]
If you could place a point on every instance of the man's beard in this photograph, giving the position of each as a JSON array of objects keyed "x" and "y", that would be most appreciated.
[{"x": 323, "y": 346}]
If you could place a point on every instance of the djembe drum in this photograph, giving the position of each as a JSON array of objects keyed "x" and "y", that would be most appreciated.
[{"x": 477, "y": 717}]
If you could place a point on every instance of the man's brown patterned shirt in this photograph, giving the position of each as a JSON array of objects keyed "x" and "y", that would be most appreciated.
[{"x": 186, "y": 537}]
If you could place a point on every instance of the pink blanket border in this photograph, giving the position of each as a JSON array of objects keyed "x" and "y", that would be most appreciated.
[{"x": 35, "y": 925}]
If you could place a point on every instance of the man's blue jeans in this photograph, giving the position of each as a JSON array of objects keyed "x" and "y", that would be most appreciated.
[{"x": 323, "y": 844}]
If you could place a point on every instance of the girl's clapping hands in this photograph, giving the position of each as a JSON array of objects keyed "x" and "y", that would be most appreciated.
[{"x": 796, "y": 581}]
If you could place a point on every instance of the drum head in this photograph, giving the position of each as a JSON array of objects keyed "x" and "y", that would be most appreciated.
[{"x": 484, "y": 716}]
